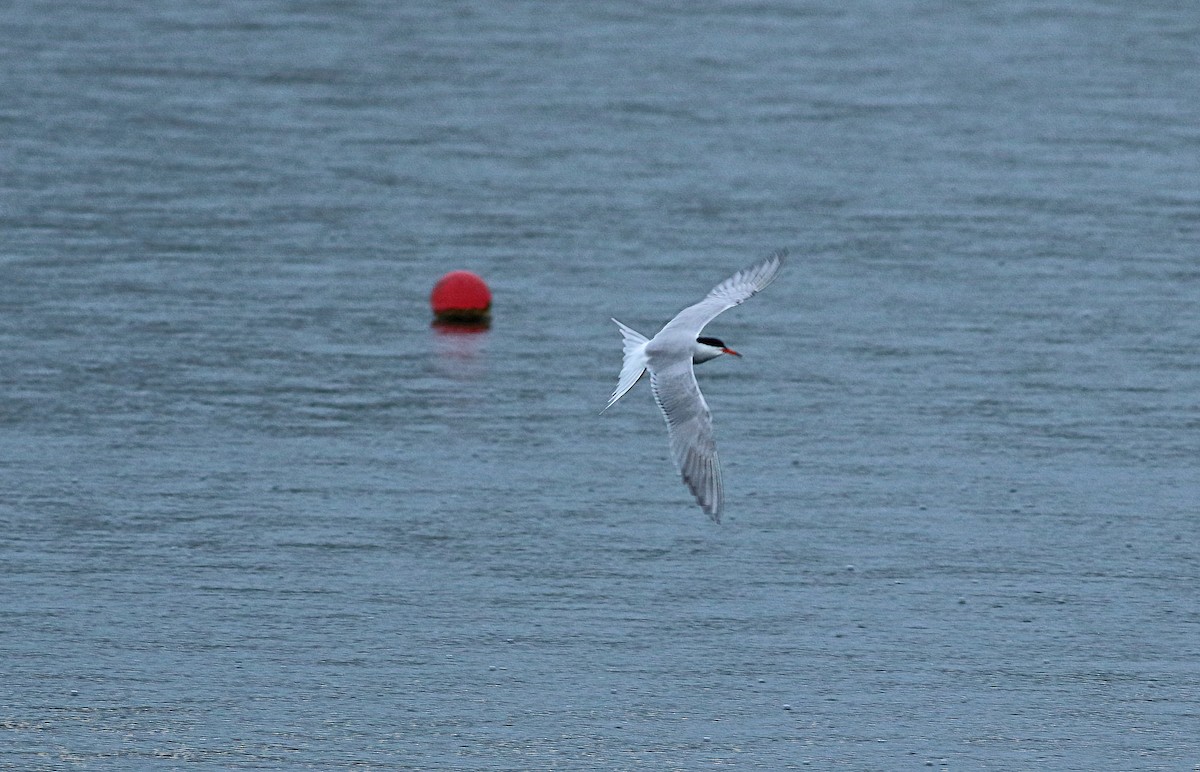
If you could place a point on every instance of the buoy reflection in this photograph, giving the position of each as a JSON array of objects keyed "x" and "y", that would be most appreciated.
[{"x": 459, "y": 341}]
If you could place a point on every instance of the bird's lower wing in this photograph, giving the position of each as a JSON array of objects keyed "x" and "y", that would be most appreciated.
[{"x": 689, "y": 424}]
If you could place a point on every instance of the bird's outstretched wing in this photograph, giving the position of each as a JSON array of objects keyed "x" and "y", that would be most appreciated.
[
  {"x": 735, "y": 290},
  {"x": 689, "y": 424}
]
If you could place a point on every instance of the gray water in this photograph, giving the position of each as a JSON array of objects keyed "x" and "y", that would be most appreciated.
[{"x": 256, "y": 514}]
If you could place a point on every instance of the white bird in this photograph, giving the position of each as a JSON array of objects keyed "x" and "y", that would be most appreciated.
[{"x": 669, "y": 357}]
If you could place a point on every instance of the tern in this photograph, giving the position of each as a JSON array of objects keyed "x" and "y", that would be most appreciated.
[{"x": 669, "y": 356}]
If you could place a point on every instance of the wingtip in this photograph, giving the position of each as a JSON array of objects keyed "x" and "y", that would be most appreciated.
[
  {"x": 776, "y": 261},
  {"x": 713, "y": 507},
  {"x": 716, "y": 502}
]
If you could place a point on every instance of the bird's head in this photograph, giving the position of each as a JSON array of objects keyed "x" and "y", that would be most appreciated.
[{"x": 710, "y": 348}]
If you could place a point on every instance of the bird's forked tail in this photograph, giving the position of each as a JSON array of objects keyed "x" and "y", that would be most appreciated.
[{"x": 634, "y": 365}]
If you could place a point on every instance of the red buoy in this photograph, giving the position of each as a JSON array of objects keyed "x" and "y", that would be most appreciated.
[{"x": 461, "y": 298}]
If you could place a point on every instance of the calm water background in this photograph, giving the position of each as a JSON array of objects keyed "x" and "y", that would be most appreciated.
[{"x": 255, "y": 513}]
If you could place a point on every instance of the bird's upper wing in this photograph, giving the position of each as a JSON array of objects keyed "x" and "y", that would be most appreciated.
[
  {"x": 737, "y": 289},
  {"x": 689, "y": 424}
]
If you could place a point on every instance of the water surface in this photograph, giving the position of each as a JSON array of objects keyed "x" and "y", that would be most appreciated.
[{"x": 256, "y": 513}]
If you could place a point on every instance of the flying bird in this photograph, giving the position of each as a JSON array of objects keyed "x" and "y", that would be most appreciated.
[{"x": 669, "y": 356}]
